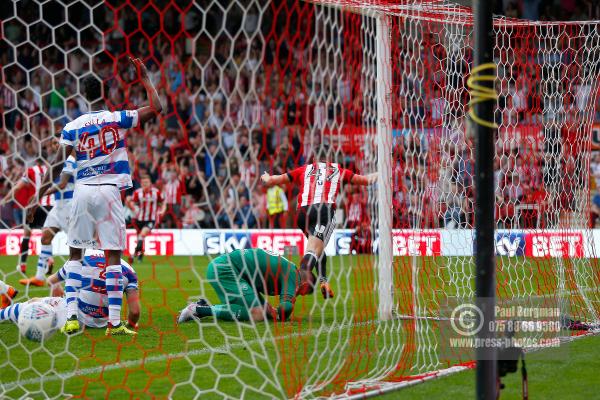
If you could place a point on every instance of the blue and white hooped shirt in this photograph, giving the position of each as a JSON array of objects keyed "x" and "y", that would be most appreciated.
[{"x": 100, "y": 146}]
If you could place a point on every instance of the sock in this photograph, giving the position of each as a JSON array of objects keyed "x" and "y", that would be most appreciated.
[
  {"x": 204, "y": 311},
  {"x": 309, "y": 261},
  {"x": 10, "y": 313},
  {"x": 3, "y": 287},
  {"x": 72, "y": 286},
  {"x": 233, "y": 312},
  {"x": 140, "y": 244},
  {"x": 42, "y": 265},
  {"x": 322, "y": 268},
  {"x": 24, "y": 250},
  {"x": 114, "y": 290}
]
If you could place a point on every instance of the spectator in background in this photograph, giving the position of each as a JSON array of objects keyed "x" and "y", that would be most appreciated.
[
  {"x": 511, "y": 9},
  {"x": 30, "y": 152},
  {"x": 277, "y": 206},
  {"x": 212, "y": 159},
  {"x": 355, "y": 210},
  {"x": 531, "y": 9},
  {"x": 194, "y": 215},
  {"x": 362, "y": 239},
  {"x": 244, "y": 217},
  {"x": 456, "y": 206},
  {"x": 259, "y": 205},
  {"x": 249, "y": 172}
]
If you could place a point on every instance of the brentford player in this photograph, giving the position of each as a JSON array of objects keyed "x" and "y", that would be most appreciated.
[
  {"x": 21, "y": 194},
  {"x": 57, "y": 219},
  {"x": 319, "y": 185},
  {"x": 145, "y": 202}
]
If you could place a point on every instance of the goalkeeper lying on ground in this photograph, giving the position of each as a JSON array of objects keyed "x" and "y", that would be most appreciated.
[{"x": 242, "y": 277}]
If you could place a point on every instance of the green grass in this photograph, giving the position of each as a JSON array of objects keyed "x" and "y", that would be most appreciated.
[
  {"x": 327, "y": 341},
  {"x": 550, "y": 377}
]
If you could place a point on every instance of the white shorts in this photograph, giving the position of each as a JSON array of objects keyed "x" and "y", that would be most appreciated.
[
  {"x": 59, "y": 216},
  {"x": 97, "y": 218}
]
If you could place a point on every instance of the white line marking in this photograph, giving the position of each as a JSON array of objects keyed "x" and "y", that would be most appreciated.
[{"x": 56, "y": 376}]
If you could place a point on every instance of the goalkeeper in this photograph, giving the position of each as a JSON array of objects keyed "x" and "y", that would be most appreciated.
[{"x": 242, "y": 277}]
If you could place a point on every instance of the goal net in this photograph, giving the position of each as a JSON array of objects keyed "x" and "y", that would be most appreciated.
[{"x": 255, "y": 85}]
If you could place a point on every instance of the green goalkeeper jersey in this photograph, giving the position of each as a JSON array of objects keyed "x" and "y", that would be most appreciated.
[{"x": 267, "y": 272}]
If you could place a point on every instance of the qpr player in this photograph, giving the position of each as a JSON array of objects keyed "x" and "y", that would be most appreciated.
[
  {"x": 97, "y": 214},
  {"x": 92, "y": 305}
]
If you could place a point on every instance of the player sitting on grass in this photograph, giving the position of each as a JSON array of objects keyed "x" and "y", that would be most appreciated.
[
  {"x": 93, "y": 301},
  {"x": 240, "y": 279}
]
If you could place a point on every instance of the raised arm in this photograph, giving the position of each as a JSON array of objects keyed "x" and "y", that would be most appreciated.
[
  {"x": 64, "y": 181},
  {"x": 56, "y": 169},
  {"x": 272, "y": 180},
  {"x": 148, "y": 112}
]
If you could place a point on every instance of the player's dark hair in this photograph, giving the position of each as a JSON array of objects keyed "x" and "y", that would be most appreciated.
[{"x": 91, "y": 88}]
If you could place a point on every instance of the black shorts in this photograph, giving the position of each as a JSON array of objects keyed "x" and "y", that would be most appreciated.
[
  {"x": 139, "y": 225},
  {"x": 317, "y": 220},
  {"x": 38, "y": 218}
]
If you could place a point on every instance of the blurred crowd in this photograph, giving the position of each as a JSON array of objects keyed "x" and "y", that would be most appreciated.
[
  {"x": 550, "y": 10},
  {"x": 245, "y": 91}
]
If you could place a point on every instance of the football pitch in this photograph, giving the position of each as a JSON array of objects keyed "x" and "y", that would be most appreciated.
[{"x": 228, "y": 360}]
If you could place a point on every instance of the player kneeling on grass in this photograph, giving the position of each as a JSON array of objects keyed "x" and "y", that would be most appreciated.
[
  {"x": 92, "y": 307},
  {"x": 242, "y": 277}
]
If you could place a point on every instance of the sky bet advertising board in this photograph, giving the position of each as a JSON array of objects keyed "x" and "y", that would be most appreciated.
[
  {"x": 546, "y": 244},
  {"x": 431, "y": 242}
]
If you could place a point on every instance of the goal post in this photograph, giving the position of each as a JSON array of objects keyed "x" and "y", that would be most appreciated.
[{"x": 384, "y": 167}]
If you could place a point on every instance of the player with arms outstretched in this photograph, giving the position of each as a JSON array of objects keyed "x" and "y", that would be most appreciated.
[
  {"x": 98, "y": 217},
  {"x": 319, "y": 185},
  {"x": 146, "y": 202},
  {"x": 92, "y": 310},
  {"x": 242, "y": 277}
]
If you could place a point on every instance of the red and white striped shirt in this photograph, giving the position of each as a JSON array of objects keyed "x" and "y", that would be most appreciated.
[
  {"x": 173, "y": 191},
  {"x": 319, "y": 182},
  {"x": 148, "y": 202},
  {"x": 33, "y": 180},
  {"x": 8, "y": 97}
]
